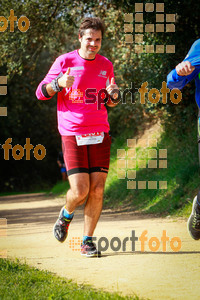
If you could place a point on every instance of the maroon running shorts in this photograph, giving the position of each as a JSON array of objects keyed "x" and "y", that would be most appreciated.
[{"x": 86, "y": 158}]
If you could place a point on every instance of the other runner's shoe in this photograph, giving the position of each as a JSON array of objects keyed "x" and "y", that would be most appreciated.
[
  {"x": 60, "y": 228},
  {"x": 194, "y": 221},
  {"x": 89, "y": 249}
]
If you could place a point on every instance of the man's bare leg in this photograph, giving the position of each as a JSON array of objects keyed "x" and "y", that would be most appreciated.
[
  {"x": 94, "y": 202},
  {"x": 76, "y": 195},
  {"x": 79, "y": 189}
]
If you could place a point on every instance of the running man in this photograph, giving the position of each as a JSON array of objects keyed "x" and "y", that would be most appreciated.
[
  {"x": 184, "y": 72},
  {"x": 80, "y": 78}
]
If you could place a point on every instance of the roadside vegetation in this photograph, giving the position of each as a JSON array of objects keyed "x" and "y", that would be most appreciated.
[{"x": 19, "y": 281}]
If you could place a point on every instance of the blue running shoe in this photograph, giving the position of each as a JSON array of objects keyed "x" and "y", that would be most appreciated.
[{"x": 61, "y": 226}]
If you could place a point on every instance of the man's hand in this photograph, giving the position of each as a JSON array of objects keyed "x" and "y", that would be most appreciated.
[
  {"x": 111, "y": 89},
  {"x": 66, "y": 81},
  {"x": 184, "y": 68}
]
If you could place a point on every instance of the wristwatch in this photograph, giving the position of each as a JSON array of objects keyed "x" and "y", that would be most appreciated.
[{"x": 54, "y": 83}]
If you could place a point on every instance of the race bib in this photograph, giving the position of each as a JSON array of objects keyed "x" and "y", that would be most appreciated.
[{"x": 90, "y": 138}]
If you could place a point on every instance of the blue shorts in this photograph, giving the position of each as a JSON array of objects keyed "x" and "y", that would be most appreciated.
[{"x": 63, "y": 170}]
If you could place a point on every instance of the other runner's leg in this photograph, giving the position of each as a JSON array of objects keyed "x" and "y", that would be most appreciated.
[{"x": 194, "y": 219}]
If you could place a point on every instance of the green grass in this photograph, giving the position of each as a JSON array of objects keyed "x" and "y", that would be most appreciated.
[
  {"x": 60, "y": 188},
  {"x": 20, "y": 282},
  {"x": 22, "y": 193},
  {"x": 181, "y": 174}
]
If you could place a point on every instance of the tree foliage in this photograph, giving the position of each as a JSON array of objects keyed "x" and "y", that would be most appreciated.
[{"x": 27, "y": 56}]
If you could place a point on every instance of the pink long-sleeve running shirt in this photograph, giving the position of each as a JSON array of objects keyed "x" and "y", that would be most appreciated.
[{"x": 75, "y": 115}]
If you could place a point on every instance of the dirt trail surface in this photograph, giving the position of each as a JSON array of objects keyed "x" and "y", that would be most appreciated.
[{"x": 153, "y": 275}]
